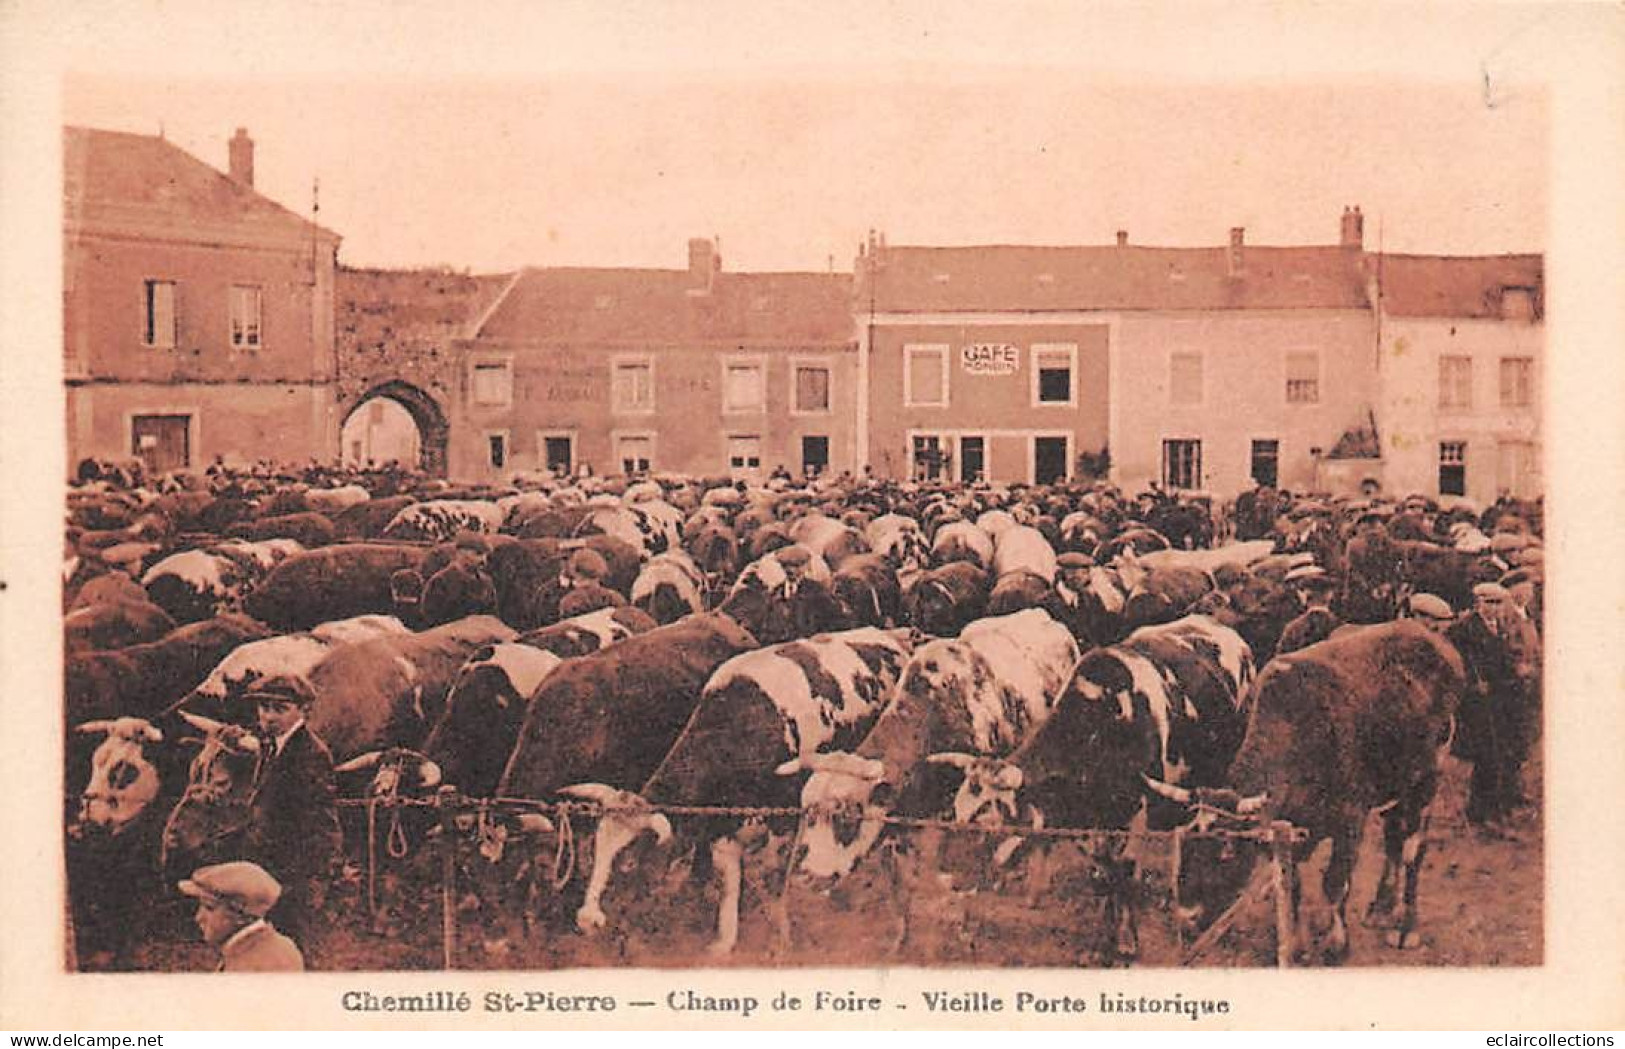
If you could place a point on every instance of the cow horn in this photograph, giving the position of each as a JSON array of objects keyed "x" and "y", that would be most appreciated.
[
  {"x": 360, "y": 761},
  {"x": 1167, "y": 790},
  {"x": 791, "y": 767},
  {"x": 534, "y": 823},
  {"x": 599, "y": 792},
  {"x": 201, "y": 723},
  {"x": 243, "y": 742},
  {"x": 101, "y": 725},
  {"x": 151, "y": 733},
  {"x": 1254, "y": 804},
  {"x": 954, "y": 758},
  {"x": 429, "y": 774}
]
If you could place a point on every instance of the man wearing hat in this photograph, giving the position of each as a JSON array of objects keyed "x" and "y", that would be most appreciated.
[
  {"x": 1430, "y": 610},
  {"x": 584, "y": 590},
  {"x": 1501, "y": 712},
  {"x": 233, "y": 900},
  {"x": 293, "y": 824},
  {"x": 1317, "y": 621}
]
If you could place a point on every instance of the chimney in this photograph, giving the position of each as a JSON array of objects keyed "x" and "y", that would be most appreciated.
[
  {"x": 1122, "y": 238},
  {"x": 1353, "y": 228},
  {"x": 241, "y": 152},
  {"x": 1236, "y": 235},
  {"x": 703, "y": 263}
]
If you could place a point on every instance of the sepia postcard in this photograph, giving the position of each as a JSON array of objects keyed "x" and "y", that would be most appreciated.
[{"x": 935, "y": 516}]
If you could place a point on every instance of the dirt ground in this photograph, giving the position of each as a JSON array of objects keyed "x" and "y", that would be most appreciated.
[{"x": 1481, "y": 905}]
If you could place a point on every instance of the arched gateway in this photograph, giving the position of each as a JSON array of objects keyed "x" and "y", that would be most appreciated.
[{"x": 432, "y": 429}]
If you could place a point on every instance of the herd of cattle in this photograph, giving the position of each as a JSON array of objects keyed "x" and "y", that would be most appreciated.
[{"x": 872, "y": 652}]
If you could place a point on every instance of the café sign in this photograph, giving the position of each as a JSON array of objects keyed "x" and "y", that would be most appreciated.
[{"x": 990, "y": 358}]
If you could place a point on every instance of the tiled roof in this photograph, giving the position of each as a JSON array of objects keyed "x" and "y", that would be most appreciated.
[
  {"x": 116, "y": 174},
  {"x": 1456, "y": 286},
  {"x": 377, "y": 307},
  {"x": 1123, "y": 277},
  {"x": 653, "y": 306}
]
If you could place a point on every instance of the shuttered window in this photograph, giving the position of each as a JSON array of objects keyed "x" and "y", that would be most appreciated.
[
  {"x": 245, "y": 316},
  {"x": 1185, "y": 378},
  {"x": 1303, "y": 378},
  {"x": 925, "y": 382},
  {"x": 634, "y": 387},
  {"x": 1455, "y": 382},
  {"x": 1517, "y": 382},
  {"x": 812, "y": 389},
  {"x": 158, "y": 325}
]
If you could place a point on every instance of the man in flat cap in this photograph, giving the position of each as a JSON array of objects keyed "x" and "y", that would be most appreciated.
[
  {"x": 1317, "y": 621},
  {"x": 294, "y": 826},
  {"x": 1500, "y": 715},
  {"x": 233, "y": 900},
  {"x": 1430, "y": 610},
  {"x": 584, "y": 590}
]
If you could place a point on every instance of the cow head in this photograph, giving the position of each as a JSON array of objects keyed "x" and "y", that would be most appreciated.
[
  {"x": 623, "y": 818},
  {"x": 987, "y": 794},
  {"x": 216, "y": 803},
  {"x": 1214, "y": 865},
  {"x": 484, "y": 711},
  {"x": 844, "y": 803},
  {"x": 123, "y": 780}
]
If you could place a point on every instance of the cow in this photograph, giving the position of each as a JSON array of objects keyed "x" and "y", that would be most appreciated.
[
  {"x": 368, "y": 520},
  {"x": 440, "y": 520},
  {"x": 1356, "y": 724},
  {"x": 114, "y": 624},
  {"x": 866, "y": 585},
  {"x": 962, "y": 541},
  {"x": 669, "y": 587},
  {"x": 942, "y": 601},
  {"x": 309, "y": 528},
  {"x": 899, "y": 540},
  {"x": 336, "y": 500},
  {"x": 1170, "y": 701},
  {"x": 334, "y": 582},
  {"x": 758, "y": 711},
  {"x": 1020, "y": 548},
  {"x": 980, "y": 694},
  {"x": 828, "y": 538},
  {"x": 287, "y": 654},
  {"x": 1163, "y": 595},
  {"x": 196, "y": 584}
]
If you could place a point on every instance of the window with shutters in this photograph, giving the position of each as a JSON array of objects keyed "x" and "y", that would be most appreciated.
[
  {"x": 634, "y": 453},
  {"x": 1181, "y": 463},
  {"x": 1303, "y": 377},
  {"x": 158, "y": 328},
  {"x": 1517, "y": 382},
  {"x": 744, "y": 455},
  {"x": 1455, "y": 382},
  {"x": 925, "y": 376},
  {"x": 493, "y": 384},
  {"x": 1055, "y": 369},
  {"x": 810, "y": 390},
  {"x": 634, "y": 386},
  {"x": 929, "y": 457},
  {"x": 1185, "y": 378},
  {"x": 1452, "y": 467},
  {"x": 744, "y": 386},
  {"x": 245, "y": 317}
]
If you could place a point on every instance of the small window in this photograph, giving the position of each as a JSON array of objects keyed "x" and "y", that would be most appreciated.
[
  {"x": 493, "y": 384},
  {"x": 245, "y": 317},
  {"x": 1452, "y": 467},
  {"x": 1303, "y": 378},
  {"x": 1517, "y": 382},
  {"x": 1185, "y": 378},
  {"x": 1266, "y": 463},
  {"x": 1455, "y": 382},
  {"x": 496, "y": 446},
  {"x": 744, "y": 455},
  {"x": 158, "y": 326},
  {"x": 812, "y": 388},
  {"x": 1053, "y": 368},
  {"x": 634, "y": 387},
  {"x": 930, "y": 457},
  {"x": 635, "y": 454},
  {"x": 1182, "y": 464},
  {"x": 558, "y": 454},
  {"x": 814, "y": 455},
  {"x": 925, "y": 376},
  {"x": 742, "y": 388},
  {"x": 972, "y": 459}
]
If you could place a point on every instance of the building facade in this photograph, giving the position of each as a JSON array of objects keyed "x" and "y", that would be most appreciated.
[
  {"x": 1463, "y": 347},
  {"x": 198, "y": 315},
  {"x": 693, "y": 371}
]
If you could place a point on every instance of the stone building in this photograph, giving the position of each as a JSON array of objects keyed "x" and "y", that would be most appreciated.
[{"x": 198, "y": 314}]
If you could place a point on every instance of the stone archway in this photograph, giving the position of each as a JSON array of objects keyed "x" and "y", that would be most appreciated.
[{"x": 433, "y": 430}]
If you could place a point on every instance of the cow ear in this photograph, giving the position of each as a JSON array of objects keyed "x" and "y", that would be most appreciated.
[{"x": 957, "y": 760}]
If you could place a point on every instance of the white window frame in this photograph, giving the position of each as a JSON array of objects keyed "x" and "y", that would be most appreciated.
[
  {"x": 485, "y": 450},
  {"x": 1452, "y": 405},
  {"x": 1528, "y": 399},
  {"x": 727, "y": 453},
  {"x": 1440, "y": 462},
  {"x": 629, "y": 360},
  {"x": 745, "y": 360},
  {"x": 474, "y": 366},
  {"x": 617, "y": 436},
  {"x": 1039, "y": 349},
  {"x": 827, "y": 364},
  {"x": 1201, "y": 386},
  {"x": 150, "y": 339},
  {"x": 1287, "y": 380},
  {"x": 910, "y": 351},
  {"x": 1032, "y": 454},
  {"x": 541, "y": 447},
  {"x": 258, "y": 327}
]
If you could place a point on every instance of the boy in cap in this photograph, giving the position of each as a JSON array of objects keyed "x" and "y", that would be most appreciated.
[
  {"x": 233, "y": 900},
  {"x": 293, "y": 826},
  {"x": 1500, "y": 713},
  {"x": 584, "y": 590}
]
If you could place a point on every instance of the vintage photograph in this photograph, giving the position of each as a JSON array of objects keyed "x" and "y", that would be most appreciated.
[{"x": 1130, "y": 554}]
